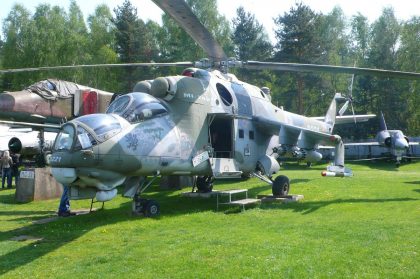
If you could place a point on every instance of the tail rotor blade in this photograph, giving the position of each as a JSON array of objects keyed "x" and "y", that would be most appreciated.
[
  {"x": 344, "y": 108},
  {"x": 352, "y": 110}
]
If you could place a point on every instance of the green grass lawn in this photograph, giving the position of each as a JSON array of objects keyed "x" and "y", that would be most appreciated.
[{"x": 367, "y": 226}]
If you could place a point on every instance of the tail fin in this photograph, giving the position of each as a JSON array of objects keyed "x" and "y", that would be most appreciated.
[
  {"x": 382, "y": 123},
  {"x": 332, "y": 110}
]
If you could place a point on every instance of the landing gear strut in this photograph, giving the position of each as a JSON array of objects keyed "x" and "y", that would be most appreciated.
[
  {"x": 204, "y": 184},
  {"x": 149, "y": 208}
]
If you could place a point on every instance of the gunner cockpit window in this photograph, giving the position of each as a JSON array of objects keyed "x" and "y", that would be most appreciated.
[
  {"x": 64, "y": 140},
  {"x": 84, "y": 139},
  {"x": 103, "y": 126}
]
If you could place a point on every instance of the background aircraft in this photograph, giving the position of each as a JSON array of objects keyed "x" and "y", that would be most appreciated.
[
  {"x": 52, "y": 101},
  {"x": 49, "y": 102},
  {"x": 396, "y": 143},
  {"x": 26, "y": 142}
]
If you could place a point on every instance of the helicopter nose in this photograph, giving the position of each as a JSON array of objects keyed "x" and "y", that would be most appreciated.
[{"x": 401, "y": 143}]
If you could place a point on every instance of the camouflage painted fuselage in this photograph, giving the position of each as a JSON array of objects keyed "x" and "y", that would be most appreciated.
[{"x": 208, "y": 114}]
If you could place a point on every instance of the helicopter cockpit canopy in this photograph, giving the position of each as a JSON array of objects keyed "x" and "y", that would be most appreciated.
[
  {"x": 87, "y": 131},
  {"x": 137, "y": 107}
]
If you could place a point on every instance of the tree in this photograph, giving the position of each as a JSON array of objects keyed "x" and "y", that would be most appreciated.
[
  {"x": 250, "y": 43},
  {"x": 383, "y": 54},
  {"x": 74, "y": 50},
  {"x": 360, "y": 37},
  {"x": 298, "y": 41},
  {"x": 17, "y": 49},
  {"x": 101, "y": 48},
  {"x": 335, "y": 49},
  {"x": 177, "y": 45},
  {"x": 408, "y": 60},
  {"x": 131, "y": 42}
]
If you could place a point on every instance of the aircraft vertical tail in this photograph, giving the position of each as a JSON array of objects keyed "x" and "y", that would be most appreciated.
[
  {"x": 332, "y": 110},
  {"x": 382, "y": 123}
]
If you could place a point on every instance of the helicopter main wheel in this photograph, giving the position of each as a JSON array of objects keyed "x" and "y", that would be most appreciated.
[
  {"x": 151, "y": 209},
  {"x": 204, "y": 184},
  {"x": 281, "y": 186}
]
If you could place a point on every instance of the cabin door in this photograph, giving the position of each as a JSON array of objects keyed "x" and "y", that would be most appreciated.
[{"x": 221, "y": 137}]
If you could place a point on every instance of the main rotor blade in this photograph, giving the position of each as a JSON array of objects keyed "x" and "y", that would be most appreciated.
[
  {"x": 183, "y": 15},
  {"x": 46, "y": 68},
  {"x": 296, "y": 67}
]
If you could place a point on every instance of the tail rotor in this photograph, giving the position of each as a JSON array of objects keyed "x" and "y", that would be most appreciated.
[{"x": 349, "y": 101}]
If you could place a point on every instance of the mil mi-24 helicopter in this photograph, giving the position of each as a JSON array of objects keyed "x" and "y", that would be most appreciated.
[{"x": 203, "y": 123}]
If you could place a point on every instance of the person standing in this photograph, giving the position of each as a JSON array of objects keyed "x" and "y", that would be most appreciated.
[
  {"x": 6, "y": 167},
  {"x": 15, "y": 167},
  {"x": 64, "y": 207}
]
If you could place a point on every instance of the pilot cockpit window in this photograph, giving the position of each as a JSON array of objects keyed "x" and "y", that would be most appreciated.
[
  {"x": 64, "y": 140},
  {"x": 104, "y": 126},
  {"x": 144, "y": 112},
  {"x": 119, "y": 104},
  {"x": 137, "y": 107}
]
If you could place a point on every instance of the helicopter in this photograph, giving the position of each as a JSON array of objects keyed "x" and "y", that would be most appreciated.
[{"x": 204, "y": 123}]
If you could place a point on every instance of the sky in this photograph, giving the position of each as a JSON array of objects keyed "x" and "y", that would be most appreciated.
[{"x": 264, "y": 10}]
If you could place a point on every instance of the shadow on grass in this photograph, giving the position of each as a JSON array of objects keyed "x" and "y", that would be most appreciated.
[
  {"x": 56, "y": 234},
  {"x": 377, "y": 164},
  {"x": 295, "y": 166},
  {"x": 10, "y": 198},
  {"x": 26, "y": 213},
  {"x": 64, "y": 230},
  {"x": 417, "y": 190},
  {"x": 413, "y": 182},
  {"x": 312, "y": 206}
]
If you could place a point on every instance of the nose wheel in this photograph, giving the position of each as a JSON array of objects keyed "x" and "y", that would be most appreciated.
[{"x": 145, "y": 207}]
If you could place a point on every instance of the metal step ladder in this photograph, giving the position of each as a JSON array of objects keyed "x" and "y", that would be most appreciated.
[
  {"x": 225, "y": 168},
  {"x": 230, "y": 198}
]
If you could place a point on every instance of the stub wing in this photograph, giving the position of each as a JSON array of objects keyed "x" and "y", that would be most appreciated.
[
  {"x": 34, "y": 126},
  {"x": 273, "y": 127},
  {"x": 345, "y": 119},
  {"x": 310, "y": 139},
  {"x": 370, "y": 143}
]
